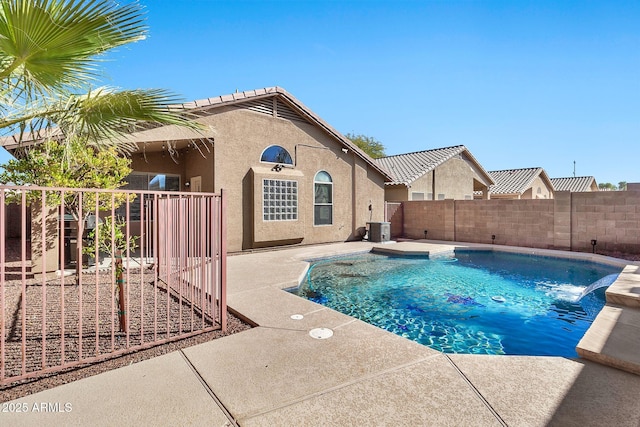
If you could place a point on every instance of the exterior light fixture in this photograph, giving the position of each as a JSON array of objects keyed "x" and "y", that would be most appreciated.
[
  {"x": 594, "y": 242},
  {"x": 425, "y": 233},
  {"x": 493, "y": 239}
]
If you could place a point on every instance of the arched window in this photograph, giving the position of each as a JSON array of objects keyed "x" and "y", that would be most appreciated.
[
  {"x": 322, "y": 199},
  {"x": 276, "y": 154}
]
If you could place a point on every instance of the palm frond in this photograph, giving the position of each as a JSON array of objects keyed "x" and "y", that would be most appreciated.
[
  {"x": 52, "y": 44},
  {"x": 104, "y": 116}
]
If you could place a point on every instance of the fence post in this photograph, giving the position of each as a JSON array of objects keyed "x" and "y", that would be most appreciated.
[
  {"x": 122, "y": 314},
  {"x": 223, "y": 259}
]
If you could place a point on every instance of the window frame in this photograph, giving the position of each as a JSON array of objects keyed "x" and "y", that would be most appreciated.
[
  {"x": 330, "y": 204},
  {"x": 134, "y": 213},
  {"x": 150, "y": 176},
  {"x": 289, "y": 163},
  {"x": 278, "y": 207}
]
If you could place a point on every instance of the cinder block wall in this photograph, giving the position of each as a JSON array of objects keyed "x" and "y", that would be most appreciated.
[
  {"x": 569, "y": 221},
  {"x": 512, "y": 222},
  {"x": 612, "y": 218},
  {"x": 393, "y": 214}
]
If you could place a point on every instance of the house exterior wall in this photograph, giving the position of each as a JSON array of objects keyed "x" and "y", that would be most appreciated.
[
  {"x": 422, "y": 185},
  {"x": 538, "y": 190},
  {"x": 241, "y": 137},
  {"x": 396, "y": 193},
  {"x": 201, "y": 164},
  {"x": 154, "y": 162},
  {"x": 568, "y": 222},
  {"x": 454, "y": 179}
]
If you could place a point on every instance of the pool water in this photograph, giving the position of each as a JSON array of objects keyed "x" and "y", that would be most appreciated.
[{"x": 479, "y": 302}]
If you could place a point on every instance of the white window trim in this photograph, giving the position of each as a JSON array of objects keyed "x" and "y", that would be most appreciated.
[{"x": 313, "y": 198}]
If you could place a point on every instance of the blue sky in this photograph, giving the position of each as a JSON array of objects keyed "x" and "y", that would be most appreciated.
[{"x": 521, "y": 84}]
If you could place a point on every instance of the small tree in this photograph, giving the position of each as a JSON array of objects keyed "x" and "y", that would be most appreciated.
[
  {"x": 368, "y": 144},
  {"x": 73, "y": 165},
  {"x": 607, "y": 186},
  {"x": 109, "y": 238}
]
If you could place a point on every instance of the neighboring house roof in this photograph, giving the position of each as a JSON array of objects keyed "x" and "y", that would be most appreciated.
[
  {"x": 253, "y": 100},
  {"x": 517, "y": 181},
  {"x": 406, "y": 168},
  {"x": 575, "y": 184}
]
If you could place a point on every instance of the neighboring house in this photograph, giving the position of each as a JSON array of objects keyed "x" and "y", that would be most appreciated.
[
  {"x": 575, "y": 184},
  {"x": 438, "y": 174},
  {"x": 528, "y": 183},
  {"x": 289, "y": 177}
]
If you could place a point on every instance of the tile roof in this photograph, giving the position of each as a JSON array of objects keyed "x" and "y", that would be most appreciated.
[
  {"x": 200, "y": 108},
  {"x": 516, "y": 181},
  {"x": 406, "y": 168},
  {"x": 574, "y": 183}
]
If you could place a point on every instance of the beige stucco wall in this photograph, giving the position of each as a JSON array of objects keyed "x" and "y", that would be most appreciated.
[
  {"x": 454, "y": 179},
  {"x": 396, "y": 193},
  {"x": 241, "y": 137},
  {"x": 155, "y": 162},
  {"x": 538, "y": 190}
]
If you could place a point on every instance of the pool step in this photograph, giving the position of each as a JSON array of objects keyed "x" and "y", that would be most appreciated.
[
  {"x": 614, "y": 339},
  {"x": 625, "y": 291}
]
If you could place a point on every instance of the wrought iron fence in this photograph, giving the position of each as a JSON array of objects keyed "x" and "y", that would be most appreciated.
[{"x": 91, "y": 274}]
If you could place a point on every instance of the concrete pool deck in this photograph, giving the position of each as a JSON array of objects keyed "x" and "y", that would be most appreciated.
[{"x": 276, "y": 374}]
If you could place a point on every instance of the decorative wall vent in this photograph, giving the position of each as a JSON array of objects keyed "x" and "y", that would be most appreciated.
[
  {"x": 272, "y": 107},
  {"x": 285, "y": 112}
]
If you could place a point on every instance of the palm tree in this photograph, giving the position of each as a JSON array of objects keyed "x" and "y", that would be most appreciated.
[{"x": 49, "y": 56}]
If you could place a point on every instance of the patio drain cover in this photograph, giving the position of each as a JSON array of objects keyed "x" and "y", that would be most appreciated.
[
  {"x": 297, "y": 316},
  {"x": 321, "y": 333}
]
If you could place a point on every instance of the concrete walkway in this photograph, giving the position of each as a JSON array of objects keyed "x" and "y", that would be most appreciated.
[{"x": 278, "y": 375}]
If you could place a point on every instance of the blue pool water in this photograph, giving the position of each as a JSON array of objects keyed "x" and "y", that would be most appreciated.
[{"x": 479, "y": 302}]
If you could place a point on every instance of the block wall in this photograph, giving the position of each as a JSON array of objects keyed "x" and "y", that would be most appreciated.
[
  {"x": 569, "y": 221},
  {"x": 612, "y": 218}
]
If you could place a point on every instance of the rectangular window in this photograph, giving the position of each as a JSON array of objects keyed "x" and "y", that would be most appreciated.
[
  {"x": 279, "y": 200},
  {"x": 440, "y": 196},
  {"x": 323, "y": 203},
  {"x": 417, "y": 196},
  {"x": 147, "y": 181}
]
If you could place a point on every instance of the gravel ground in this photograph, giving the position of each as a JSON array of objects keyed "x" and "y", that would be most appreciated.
[
  {"x": 27, "y": 387},
  {"x": 90, "y": 324}
]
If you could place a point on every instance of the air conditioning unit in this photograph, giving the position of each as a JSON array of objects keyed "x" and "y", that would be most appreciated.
[{"x": 379, "y": 231}]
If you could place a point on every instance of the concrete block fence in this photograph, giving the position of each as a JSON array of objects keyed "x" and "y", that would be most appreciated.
[{"x": 569, "y": 221}]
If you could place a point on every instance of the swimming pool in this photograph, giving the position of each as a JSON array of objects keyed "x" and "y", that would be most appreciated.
[{"x": 479, "y": 302}]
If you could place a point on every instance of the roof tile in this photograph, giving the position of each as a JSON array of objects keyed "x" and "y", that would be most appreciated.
[
  {"x": 513, "y": 181},
  {"x": 574, "y": 184}
]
